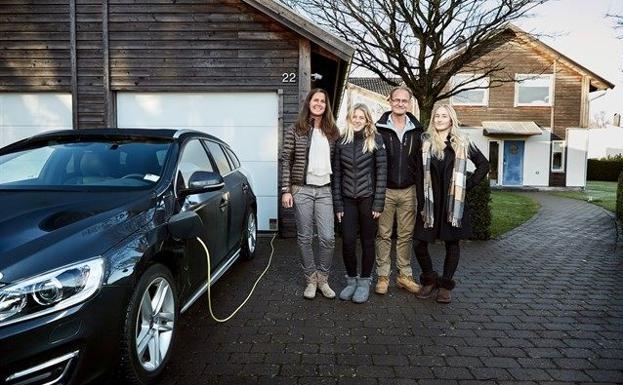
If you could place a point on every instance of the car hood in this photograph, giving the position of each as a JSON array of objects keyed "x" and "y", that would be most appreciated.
[{"x": 43, "y": 230}]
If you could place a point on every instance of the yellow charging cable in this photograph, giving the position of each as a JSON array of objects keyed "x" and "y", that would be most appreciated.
[{"x": 270, "y": 258}]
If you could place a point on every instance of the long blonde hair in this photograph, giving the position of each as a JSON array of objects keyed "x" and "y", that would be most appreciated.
[
  {"x": 369, "y": 130},
  {"x": 438, "y": 142}
]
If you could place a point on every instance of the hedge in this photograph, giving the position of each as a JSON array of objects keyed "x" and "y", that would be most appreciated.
[
  {"x": 619, "y": 206},
  {"x": 606, "y": 169},
  {"x": 479, "y": 199}
]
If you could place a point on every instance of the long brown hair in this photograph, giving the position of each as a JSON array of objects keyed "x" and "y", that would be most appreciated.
[{"x": 302, "y": 125}]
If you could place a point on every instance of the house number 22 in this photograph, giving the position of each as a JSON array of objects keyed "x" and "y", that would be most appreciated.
[{"x": 288, "y": 77}]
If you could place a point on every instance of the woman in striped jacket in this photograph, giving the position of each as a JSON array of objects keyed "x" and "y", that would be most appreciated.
[{"x": 306, "y": 184}]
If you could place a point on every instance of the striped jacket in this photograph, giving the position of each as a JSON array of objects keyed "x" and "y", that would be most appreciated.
[{"x": 294, "y": 157}]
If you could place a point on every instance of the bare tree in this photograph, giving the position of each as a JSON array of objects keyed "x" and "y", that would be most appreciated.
[{"x": 423, "y": 42}]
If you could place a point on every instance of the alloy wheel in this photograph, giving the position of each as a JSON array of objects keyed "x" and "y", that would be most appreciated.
[{"x": 155, "y": 324}]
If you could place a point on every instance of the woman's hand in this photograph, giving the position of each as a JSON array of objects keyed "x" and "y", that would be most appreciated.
[
  {"x": 339, "y": 216},
  {"x": 286, "y": 200},
  {"x": 376, "y": 214}
]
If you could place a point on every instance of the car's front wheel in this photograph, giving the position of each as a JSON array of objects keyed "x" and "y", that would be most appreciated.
[
  {"x": 249, "y": 236},
  {"x": 149, "y": 327}
]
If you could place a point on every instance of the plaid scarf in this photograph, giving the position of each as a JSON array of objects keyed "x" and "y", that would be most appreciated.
[{"x": 456, "y": 192}]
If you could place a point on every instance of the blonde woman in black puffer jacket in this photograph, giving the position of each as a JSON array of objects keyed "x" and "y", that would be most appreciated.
[{"x": 359, "y": 180}]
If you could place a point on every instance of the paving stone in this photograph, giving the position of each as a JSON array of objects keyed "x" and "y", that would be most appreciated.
[{"x": 520, "y": 315}]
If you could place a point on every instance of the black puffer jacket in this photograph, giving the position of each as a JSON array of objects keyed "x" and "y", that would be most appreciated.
[
  {"x": 359, "y": 175},
  {"x": 400, "y": 154}
]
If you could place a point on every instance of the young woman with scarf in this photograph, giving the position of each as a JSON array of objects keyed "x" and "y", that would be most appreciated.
[{"x": 441, "y": 191}]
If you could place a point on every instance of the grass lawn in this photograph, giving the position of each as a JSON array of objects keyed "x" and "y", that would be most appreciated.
[
  {"x": 509, "y": 210},
  {"x": 602, "y": 194}
]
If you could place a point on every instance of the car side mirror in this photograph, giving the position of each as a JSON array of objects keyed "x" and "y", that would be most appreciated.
[
  {"x": 203, "y": 181},
  {"x": 185, "y": 225}
]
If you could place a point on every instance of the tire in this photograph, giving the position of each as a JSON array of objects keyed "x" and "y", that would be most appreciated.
[
  {"x": 148, "y": 335},
  {"x": 248, "y": 243}
]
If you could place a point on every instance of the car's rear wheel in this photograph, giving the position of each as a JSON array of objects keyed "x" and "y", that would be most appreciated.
[
  {"x": 149, "y": 327},
  {"x": 249, "y": 236}
]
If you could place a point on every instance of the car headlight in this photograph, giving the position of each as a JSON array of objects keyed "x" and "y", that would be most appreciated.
[{"x": 50, "y": 292}]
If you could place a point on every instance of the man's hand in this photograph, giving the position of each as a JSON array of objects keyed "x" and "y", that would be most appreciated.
[
  {"x": 376, "y": 214},
  {"x": 339, "y": 216}
]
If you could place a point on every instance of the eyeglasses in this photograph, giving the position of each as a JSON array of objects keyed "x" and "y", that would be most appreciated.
[{"x": 401, "y": 101}]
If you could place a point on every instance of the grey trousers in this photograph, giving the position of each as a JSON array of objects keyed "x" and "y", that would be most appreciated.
[{"x": 314, "y": 205}]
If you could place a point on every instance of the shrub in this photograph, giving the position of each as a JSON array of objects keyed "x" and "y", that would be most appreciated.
[
  {"x": 619, "y": 205},
  {"x": 607, "y": 169},
  {"x": 479, "y": 199}
]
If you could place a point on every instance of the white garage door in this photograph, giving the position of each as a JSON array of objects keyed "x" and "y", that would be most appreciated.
[
  {"x": 26, "y": 114},
  {"x": 247, "y": 121}
]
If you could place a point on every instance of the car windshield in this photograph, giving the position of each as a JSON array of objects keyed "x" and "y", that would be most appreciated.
[{"x": 76, "y": 164}]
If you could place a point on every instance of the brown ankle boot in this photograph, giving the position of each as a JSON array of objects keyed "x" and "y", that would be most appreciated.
[
  {"x": 445, "y": 286},
  {"x": 382, "y": 284},
  {"x": 429, "y": 284},
  {"x": 443, "y": 296}
]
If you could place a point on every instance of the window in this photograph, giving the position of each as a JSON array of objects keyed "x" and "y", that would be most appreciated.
[
  {"x": 219, "y": 156},
  {"x": 558, "y": 156},
  {"x": 494, "y": 156},
  {"x": 232, "y": 157},
  {"x": 533, "y": 90},
  {"x": 194, "y": 158},
  {"x": 475, "y": 97}
]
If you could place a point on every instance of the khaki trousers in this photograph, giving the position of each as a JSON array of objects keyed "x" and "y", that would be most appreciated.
[{"x": 400, "y": 203}]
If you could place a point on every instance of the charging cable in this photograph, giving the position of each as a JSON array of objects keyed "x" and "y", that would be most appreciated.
[{"x": 270, "y": 258}]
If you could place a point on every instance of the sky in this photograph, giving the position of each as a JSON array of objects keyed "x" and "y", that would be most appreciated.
[{"x": 580, "y": 30}]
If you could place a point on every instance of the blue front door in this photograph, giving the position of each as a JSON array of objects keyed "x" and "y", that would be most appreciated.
[{"x": 513, "y": 162}]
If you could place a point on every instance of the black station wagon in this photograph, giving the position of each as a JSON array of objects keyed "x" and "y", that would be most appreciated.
[{"x": 98, "y": 255}]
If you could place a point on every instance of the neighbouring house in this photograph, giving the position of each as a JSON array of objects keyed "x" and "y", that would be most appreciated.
[
  {"x": 533, "y": 129},
  {"x": 605, "y": 142},
  {"x": 238, "y": 69}
]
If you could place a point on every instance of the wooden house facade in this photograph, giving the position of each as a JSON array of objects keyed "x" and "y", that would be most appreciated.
[{"x": 236, "y": 68}]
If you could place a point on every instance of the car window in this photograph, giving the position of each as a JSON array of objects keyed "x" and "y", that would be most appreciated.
[
  {"x": 219, "y": 156},
  {"x": 25, "y": 165},
  {"x": 194, "y": 158},
  {"x": 232, "y": 157},
  {"x": 72, "y": 163}
]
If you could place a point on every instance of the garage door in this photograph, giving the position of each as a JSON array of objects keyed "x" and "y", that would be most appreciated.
[
  {"x": 247, "y": 121},
  {"x": 26, "y": 114}
]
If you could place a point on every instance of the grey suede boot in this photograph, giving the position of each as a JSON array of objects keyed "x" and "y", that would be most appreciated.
[
  {"x": 362, "y": 292},
  {"x": 347, "y": 293}
]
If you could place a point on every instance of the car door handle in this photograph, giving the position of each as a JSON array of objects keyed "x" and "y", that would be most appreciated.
[
  {"x": 224, "y": 201},
  {"x": 245, "y": 188}
]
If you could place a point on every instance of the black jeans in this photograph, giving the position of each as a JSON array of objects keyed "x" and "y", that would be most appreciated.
[
  {"x": 450, "y": 263},
  {"x": 358, "y": 219}
]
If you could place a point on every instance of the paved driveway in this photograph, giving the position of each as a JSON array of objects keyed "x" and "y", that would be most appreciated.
[{"x": 542, "y": 305}]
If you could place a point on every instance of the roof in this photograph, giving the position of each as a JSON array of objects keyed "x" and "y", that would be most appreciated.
[
  {"x": 376, "y": 85},
  {"x": 597, "y": 82},
  {"x": 304, "y": 27},
  {"x": 114, "y": 132},
  {"x": 511, "y": 128}
]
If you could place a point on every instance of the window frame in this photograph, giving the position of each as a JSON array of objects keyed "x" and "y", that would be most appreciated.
[
  {"x": 563, "y": 157},
  {"x": 519, "y": 78},
  {"x": 485, "y": 99}
]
